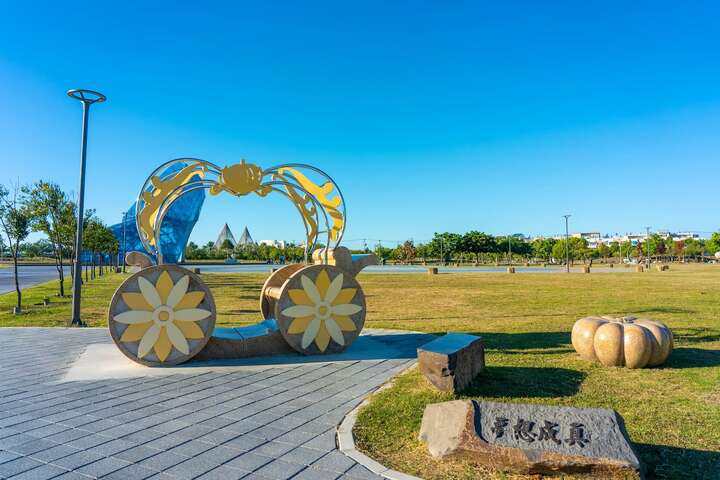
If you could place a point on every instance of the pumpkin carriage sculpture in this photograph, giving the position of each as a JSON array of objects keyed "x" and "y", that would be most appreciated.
[{"x": 165, "y": 314}]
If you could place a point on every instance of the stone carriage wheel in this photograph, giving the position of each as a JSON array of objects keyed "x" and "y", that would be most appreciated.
[
  {"x": 320, "y": 309},
  {"x": 275, "y": 280},
  {"x": 162, "y": 315}
]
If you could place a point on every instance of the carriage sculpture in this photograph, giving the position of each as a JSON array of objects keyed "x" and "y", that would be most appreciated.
[{"x": 165, "y": 314}]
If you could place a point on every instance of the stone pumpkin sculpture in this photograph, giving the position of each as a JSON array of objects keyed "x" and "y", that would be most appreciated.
[{"x": 628, "y": 341}]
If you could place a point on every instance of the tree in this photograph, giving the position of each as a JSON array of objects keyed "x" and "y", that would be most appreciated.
[
  {"x": 50, "y": 208},
  {"x": 407, "y": 251},
  {"x": 713, "y": 245},
  {"x": 445, "y": 245},
  {"x": 603, "y": 250},
  {"x": 15, "y": 222},
  {"x": 543, "y": 248},
  {"x": 227, "y": 246},
  {"x": 477, "y": 243},
  {"x": 577, "y": 249}
]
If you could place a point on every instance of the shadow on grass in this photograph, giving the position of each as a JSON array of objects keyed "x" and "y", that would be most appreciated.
[
  {"x": 693, "y": 358},
  {"x": 696, "y": 335},
  {"x": 682, "y": 463},
  {"x": 663, "y": 310},
  {"x": 524, "y": 340},
  {"x": 525, "y": 382}
]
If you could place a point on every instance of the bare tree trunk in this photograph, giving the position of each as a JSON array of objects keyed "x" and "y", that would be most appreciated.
[{"x": 17, "y": 280}]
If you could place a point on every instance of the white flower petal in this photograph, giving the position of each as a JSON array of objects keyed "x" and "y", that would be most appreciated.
[
  {"x": 346, "y": 309},
  {"x": 149, "y": 292},
  {"x": 133, "y": 316},
  {"x": 148, "y": 341},
  {"x": 191, "y": 315},
  {"x": 178, "y": 292},
  {"x": 177, "y": 338},
  {"x": 310, "y": 289},
  {"x": 334, "y": 288},
  {"x": 310, "y": 333},
  {"x": 334, "y": 331},
  {"x": 299, "y": 311}
]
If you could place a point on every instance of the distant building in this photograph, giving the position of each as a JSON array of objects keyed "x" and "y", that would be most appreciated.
[
  {"x": 225, "y": 234},
  {"x": 273, "y": 243},
  {"x": 245, "y": 239}
]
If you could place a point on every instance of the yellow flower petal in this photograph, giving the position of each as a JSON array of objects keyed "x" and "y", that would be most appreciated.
[
  {"x": 299, "y": 297},
  {"x": 177, "y": 338},
  {"x": 162, "y": 346},
  {"x": 135, "y": 332},
  {"x": 346, "y": 309},
  {"x": 133, "y": 316},
  {"x": 190, "y": 330},
  {"x": 190, "y": 300},
  {"x": 310, "y": 332},
  {"x": 299, "y": 311},
  {"x": 163, "y": 286},
  {"x": 191, "y": 315},
  {"x": 334, "y": 331},
  {"x": 323, "y": 338},
  {"x": 345, "y": 323},
  {"x": 136, "y": 301},
  {"x": 310, "y": 289},
  {"x": 148, "y": 340},
  {"x": 299, "y": 325},
  {"x": 178, "y": 291},
  {"x": 149, "y": 292},
  {"x": 322, "y": 282},
  {"x": 345, "y": 296},
  {"x": 334, "y": 288}
]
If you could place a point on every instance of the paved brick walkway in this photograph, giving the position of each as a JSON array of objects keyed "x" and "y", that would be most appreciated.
[{"x": 259, "y": 423}]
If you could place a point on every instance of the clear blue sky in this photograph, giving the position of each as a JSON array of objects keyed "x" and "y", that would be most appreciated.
[{"x": 431, "y": 116}]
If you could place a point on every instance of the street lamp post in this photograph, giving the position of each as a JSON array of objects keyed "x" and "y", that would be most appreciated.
[
  {"x": 87, "y": 97},
  {"x": 124, "y": 248},
  {"x": 647, "y": 246},
  {"x": 567, "y": 244}
]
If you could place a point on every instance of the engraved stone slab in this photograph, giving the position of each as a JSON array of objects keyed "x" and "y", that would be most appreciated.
[
  {"x": 452, "y": 361},
  {"x": 531, "y": 439}
]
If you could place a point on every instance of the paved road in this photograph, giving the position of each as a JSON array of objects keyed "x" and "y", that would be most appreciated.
[
  {"x": 29, "y": 276},
  {"x": 270, "y": 422}
]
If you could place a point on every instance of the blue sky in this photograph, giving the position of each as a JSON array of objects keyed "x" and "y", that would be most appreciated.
[{"x": 431, "y": 116}]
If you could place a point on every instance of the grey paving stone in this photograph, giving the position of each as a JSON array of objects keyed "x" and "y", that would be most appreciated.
[
  {"x": 54, "y": 453},
  {"x": 279, "y": 470},
  {"x": 162, "y": 461},
  {"x": 32, "y": 446},
  {"x": 245, "y": 442},
  {"x": 18, "y": 465},
  {"x": 302, "y": 456},
  {"x": 312, "y": 474},
  {"x": 112, "y": 447},
  {"x": 130, "y": 472},
  {"x": 273, "y": 449},
  {"x": 224, "y": 472},
  {"x": 334, "y": 462},
  {"x": 102, "y": 467},
  {"x": 191, "y": 448},
  {"x": 249, "y": 461},
  {"x": 71, "y": 476},
  {"x": 358, "y": 472},
  {"x": 8, "y": 456},
  {"x": 136, "y": 453},
  {"x": 43, "y": 472},
  {"x": 77, "y": 460}
]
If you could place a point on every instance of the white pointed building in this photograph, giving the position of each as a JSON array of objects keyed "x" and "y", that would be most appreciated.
[
  {"x": 225, "y": 234},
  {"x": 245, "y": 238}
]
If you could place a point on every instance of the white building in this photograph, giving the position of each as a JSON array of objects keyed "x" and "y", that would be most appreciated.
[{"x": 273, "y": 243}]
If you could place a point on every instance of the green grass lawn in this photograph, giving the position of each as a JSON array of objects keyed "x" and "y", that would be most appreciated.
[{"x": 672, "y": 413}]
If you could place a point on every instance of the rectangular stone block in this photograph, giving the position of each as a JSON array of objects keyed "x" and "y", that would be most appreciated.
[
  {"x": 452, "y": 361},
  {"x": 531, "y": 439}
]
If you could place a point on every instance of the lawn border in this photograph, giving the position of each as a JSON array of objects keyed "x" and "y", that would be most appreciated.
[{"x": 346, "y": 440}]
